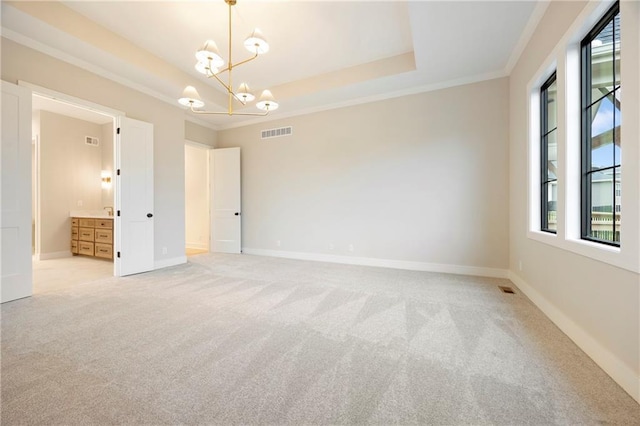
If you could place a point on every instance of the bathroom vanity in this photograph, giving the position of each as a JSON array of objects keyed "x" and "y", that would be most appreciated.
[{"x": 92, "y": 235}]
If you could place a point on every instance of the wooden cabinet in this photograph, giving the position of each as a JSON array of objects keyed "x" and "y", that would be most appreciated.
[{"x": 92, "y": 237}]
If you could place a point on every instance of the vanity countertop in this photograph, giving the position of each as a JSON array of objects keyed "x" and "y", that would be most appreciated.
[{"x": 91, "y": 214}]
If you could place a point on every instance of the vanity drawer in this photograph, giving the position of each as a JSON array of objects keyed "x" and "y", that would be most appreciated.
[
  {"x": 85, "y": 248},
  {"x": 104, "y": 223},
  {"x": 104, "y": 236},
  {"x": 86, "y": 234},
  {"x": 74, "y": 247},
  {"x": 104, "y": 250},
  {"x": 89, "y": 223},
  {"x": 74, "y": 233},
  {"x": 75, "y": 221}
]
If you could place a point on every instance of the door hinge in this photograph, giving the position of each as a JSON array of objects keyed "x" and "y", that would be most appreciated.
[
  {"x": 118, "y": 254},
  {"x": 118, "y": 212},
  {"x": 118, "y": 172},
  {"x": 118, "y": 130}
]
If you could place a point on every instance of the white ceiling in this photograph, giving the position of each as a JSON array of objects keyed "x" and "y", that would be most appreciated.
[{"x": 322, "y": 53}]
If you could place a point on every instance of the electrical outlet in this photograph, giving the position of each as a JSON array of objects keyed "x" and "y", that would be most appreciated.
[
  {"x": 331, "y": 246},
  {"x": 278, "y": 244},
  {"x": 79, "y": 203},
  {"x": 164, "y": 250},
  {"x": 351, "y": 249},
  {"x": 520, "y": 265}
]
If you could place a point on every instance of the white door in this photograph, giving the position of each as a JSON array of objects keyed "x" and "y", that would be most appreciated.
[
  {"x": 134, "y": 197},
  {"x": 15, "y": 194},
  {"x": 226, "y": 223}
]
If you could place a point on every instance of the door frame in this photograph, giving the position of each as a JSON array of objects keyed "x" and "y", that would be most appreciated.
[
  {"x": 79, "y": 103},
  {"x": 35, "y": 188},
  {"x": 206, "y": 152}
]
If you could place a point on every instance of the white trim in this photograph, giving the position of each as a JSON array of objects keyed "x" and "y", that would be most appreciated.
[
  {"x": 54, "y": 255},
  {"x": 369, "y": 99},
  {"x": 36, "y": 195},
  {"x": 55, "y": 53},
  {"x": 165, "y": 263},
  {"x": 82, "y": 104},
  {"x": 58, "y": 54},
  {"x": 535, "y": 18},
  {"x": 612, "y": 365},
  {"x": 566, "y": 58},
  {"x": 71, "y": 100},
  {"x": 198, "y": 145},
  {"x": 383, "y": 263}
]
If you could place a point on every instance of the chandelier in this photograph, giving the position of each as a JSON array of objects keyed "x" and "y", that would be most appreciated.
[{"x": 209, "y": 64}]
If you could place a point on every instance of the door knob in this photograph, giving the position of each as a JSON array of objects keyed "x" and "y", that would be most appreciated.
[
  {"x": 237, "y": 214},
  {"x": 149, "y": 215}
]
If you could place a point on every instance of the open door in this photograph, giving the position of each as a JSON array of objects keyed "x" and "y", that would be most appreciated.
[
  {"x": 134, "y": 197},
  {"x": 226, "y": 223},
  {"x": 15, "y": 186}
]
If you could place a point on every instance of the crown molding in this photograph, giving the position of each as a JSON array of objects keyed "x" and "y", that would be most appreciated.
[
  {"x": 527, "y": 33},
  {"x": 373, "y": 98}
]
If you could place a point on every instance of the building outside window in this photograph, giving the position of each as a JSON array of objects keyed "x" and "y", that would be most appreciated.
[
  {"x": 601, "y": 117},
  {"x": 549, "y": 155}
]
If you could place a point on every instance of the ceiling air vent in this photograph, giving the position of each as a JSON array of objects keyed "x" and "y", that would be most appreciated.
[
  {"x": 91, "y": 141},
  {"x": 276, "y": 133}
]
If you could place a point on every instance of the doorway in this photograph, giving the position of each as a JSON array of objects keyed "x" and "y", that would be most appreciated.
[
  {"x": 73, "y": 170},
  {"x": 196, "y": 168}
]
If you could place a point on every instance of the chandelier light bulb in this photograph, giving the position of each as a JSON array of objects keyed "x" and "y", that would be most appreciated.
[
  {"x": 267, "y": 102},
  {"x": 191, "y": 98},
  {"x": 209, "y": 53},
  {"x": 211, "y": 65},
  {"x": 256, "y": 43},
  {"x": 244, "y": 93},
  {"x": 206, "y": 68}
]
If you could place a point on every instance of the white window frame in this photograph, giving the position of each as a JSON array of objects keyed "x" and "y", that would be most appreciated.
[{"x": 565, "y": 58}]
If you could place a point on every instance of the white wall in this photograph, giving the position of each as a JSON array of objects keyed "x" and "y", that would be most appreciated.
[
  {"x": 69, "y": 175},
  {"x": 22, "y": 63},
  {"x": 595, "y": 303},
  {"x": 197, "y": 133},
  {"x": 420, "y": 179},
  {"x": 196, "y": 196}
]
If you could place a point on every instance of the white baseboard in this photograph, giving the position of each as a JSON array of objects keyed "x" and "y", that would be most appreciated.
[
  {"x": 165, "y": 263},
  {"x": 53, "y": 255},
  {"x": 197, "y": 246},
  {"x": 384, "y": 263},
  {"x": 611, "y": 364}
]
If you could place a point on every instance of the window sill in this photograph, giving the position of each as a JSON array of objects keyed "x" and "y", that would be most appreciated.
[{"x": 611, "y": 255}]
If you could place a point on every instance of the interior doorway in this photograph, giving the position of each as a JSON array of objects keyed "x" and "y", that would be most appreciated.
[
  {"x": 73, "y": 170},
  {"x": 197, "y": 223}
]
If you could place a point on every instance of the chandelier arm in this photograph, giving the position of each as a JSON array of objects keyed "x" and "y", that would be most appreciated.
[
  {"x": 258, "y": 114},
  {"x": 219, "y": 72},
  {"x": 233, "y": 66},
  {"x": 221, "y": 82},
  {"x": 243, "y": 62},
  {"x": 191, "y": 96}
]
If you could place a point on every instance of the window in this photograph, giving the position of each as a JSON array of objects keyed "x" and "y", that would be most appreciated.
[
  {"x": 601, "y": 149},
  {"x": 548, "y": 155}
]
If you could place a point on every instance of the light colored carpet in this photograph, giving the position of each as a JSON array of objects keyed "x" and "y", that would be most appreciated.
[{"x": 239, "y": 339}]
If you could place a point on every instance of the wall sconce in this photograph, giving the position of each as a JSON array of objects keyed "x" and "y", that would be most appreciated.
[{"x": 106, "y": 179}]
